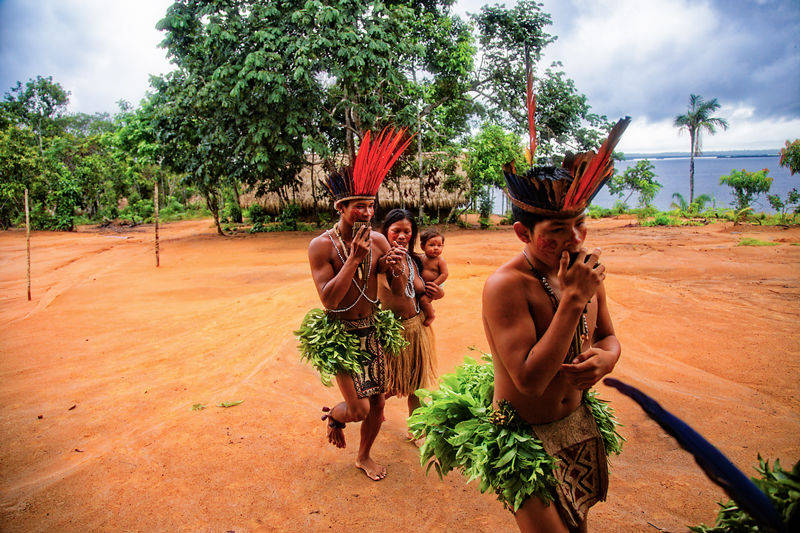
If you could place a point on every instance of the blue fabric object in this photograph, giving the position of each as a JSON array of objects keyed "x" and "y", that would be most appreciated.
[{"x": 717, "y": 467}]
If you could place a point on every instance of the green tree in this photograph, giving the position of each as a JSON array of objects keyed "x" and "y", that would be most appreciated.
[
  {"x": 790, "y": 156},
  {"x": 20, "y": 166},
  {"x": 747, "y": 185},
  {"x": 696, "y": 119},
  {"x": 639, "y": 179},
  {"x": 563, "y": 116},
  {"x": 487, "y": 152},
  {"x": 37, "y": 104}
]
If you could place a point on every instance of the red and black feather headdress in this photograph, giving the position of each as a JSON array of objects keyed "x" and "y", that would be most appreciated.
[
  {"x": 374, "y": 160},
  {"x": 560, "y": 192}
]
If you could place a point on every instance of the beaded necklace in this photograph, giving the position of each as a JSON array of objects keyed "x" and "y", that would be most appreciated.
[
  {"x": 409, "y": 290},
  {"x": 581, "y": 332},
  {"x": 364, "y": 270}
]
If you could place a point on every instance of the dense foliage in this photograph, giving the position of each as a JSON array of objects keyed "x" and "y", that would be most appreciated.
[
  {"x": 463, "y": 430},
  {"x": 261, "y": 89}
]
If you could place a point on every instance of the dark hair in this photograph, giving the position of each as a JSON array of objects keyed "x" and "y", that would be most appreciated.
[
  {"x": 396, "y": 215},
  {"x": 529, "y": 220},
  {"x": 427, "y": 235}
]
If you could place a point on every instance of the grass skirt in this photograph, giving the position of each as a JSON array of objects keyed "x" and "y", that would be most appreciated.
[
  {"x": 415, "y": 366},
  {"x": 495, "y": 446}
]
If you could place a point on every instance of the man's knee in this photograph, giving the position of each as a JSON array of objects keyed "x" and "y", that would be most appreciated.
[
  {"x": 376, "y": 404},
  {"x": 359, "y": 411}
]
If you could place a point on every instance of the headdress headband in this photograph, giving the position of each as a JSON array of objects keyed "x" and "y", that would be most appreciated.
[
  {"x": 560, "y": 192},
  {"x": 364, "y": 176}
]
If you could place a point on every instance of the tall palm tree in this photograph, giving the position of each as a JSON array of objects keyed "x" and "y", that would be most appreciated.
[{"x": 698, "y": 118}]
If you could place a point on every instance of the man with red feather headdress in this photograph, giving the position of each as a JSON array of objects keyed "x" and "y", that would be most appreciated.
[
  {"x": 542, "y": 445},
  {"x": 346, "y": 342}
]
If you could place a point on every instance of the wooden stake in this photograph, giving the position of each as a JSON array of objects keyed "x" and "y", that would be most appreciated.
[
  {"x": 28, "y": 242},
  {"x": 155, "y": 199}
]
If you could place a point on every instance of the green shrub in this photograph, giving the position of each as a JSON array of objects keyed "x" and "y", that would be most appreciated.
[
  {"x": 661, "y": 219},
  {"x": 232, "y": 212},
  {"x": 749, "y": 241},
  {"x": 620, "y": 208},
  {"x": 595, "y": 211},
  {"x": 747, "y": 185},
  {"x": 257, "y": 214},
  {"x": 288, "y": 216},
  {"x": 781, "y": 487}
]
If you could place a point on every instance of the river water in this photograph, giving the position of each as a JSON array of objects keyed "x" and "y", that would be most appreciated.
[{"x": 673, "y": 175}]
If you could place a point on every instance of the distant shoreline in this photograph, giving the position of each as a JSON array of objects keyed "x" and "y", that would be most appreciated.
[{"x": 728, "y": 154}]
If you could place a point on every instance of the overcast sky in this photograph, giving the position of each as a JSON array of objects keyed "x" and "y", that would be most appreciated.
[{"x": 630, "y": 57}]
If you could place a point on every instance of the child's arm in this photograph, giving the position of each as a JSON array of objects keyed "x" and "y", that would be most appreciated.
[{"x": 443, "y": 272}]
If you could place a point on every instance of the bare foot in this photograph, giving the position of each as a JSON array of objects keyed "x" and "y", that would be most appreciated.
[
  {"x": 335, "y": 436},
  {"x": 373, "y": 470}
]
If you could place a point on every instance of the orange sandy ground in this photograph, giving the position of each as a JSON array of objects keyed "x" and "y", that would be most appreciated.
[{"x": 708, "y": 328}]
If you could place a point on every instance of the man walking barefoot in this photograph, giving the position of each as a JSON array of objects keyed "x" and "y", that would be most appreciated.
[{"x": 349, "y": 338}]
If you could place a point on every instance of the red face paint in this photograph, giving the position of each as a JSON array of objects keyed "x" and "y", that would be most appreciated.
[{"x": 546, "y": 245}]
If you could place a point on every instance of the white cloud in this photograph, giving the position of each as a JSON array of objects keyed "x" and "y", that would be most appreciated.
[
  {"x": 100, "y": 51},
  {"x": 746, "y": 131}
]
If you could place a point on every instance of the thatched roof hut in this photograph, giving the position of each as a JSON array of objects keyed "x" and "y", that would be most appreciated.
[{"x": 402, "y": 191}]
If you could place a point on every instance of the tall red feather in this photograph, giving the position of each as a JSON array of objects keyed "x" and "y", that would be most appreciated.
[
  {"x": 597, "y": 171},
  {"x": 375, "y": 158},
  {"x": 531, "y": 105}
]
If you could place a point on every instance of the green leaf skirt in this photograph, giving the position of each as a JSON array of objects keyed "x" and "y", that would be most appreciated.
[
  {"x": 331, "y": 349},
  {"x": 495, "y": 446}
]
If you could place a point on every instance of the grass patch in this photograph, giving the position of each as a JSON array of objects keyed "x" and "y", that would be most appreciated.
[{"x": 748, "y": 241}]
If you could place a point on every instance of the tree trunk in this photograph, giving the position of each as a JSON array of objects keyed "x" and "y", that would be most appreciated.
[
  {"x": 691, "y": 168},
  {"x": 212, "y": 201},
  {"x": 155, "y": 214},
  {"x": 238, "y": 212},
  {"x": 313, "y": 186},
  {"x": 351, "y": 145},
  {"x": 28, "y": 243}
]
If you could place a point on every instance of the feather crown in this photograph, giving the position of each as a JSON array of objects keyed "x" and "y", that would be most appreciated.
[
  {"x": 363, "y": 178},
  {"x": 560, "y": 192}
]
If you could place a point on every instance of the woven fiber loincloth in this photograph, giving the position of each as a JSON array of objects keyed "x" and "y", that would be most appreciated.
[
  {"x": 371, "y": 378},
  {"x": 415, "y": 366},
  {"x": 582, "y": 470}
]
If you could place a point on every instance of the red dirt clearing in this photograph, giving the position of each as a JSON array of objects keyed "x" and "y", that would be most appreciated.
[{"x": 708, "y": 328}]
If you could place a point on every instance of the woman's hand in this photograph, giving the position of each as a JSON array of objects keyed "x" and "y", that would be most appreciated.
[{"x": 433, "y": 291}]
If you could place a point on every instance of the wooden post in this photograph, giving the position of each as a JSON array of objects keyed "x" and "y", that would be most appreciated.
[
  {"x": 155, "y": 199},
  {"x": 419, "y": 154},
  {"x": 28, "y": 242}
]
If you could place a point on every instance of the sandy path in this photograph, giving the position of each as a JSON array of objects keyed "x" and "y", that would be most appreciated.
[{"x": 708, "y": 328}]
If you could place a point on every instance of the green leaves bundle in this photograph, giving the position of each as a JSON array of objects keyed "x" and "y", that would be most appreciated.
[
  {"x": 782, "y": 488},
  {"x": 458, "y": 423},
  {"x": 390, "y": 332},
  {"x": 606, "y": 421},
  {"x": 330, "y": 349}
]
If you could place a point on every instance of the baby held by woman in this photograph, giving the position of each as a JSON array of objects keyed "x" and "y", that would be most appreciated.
[{"x": 434, "y": 269}]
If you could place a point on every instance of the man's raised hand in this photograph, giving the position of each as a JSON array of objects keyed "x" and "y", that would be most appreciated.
[
  {"x": 359, "y": 248},
  {"x": 583, "y": 278}
]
